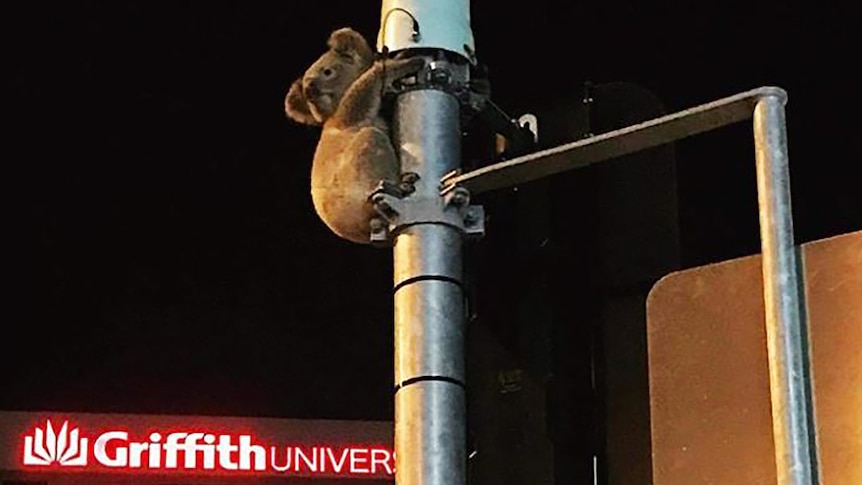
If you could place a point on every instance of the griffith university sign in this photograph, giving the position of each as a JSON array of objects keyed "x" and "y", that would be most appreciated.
[{"x": 193, "y": 447}]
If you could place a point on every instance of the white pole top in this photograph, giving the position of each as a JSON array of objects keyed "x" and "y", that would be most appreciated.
[{"x": 432, "y": 24}]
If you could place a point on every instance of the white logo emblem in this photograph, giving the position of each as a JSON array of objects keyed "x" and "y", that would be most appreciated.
[{"x": 63, "y": 447}]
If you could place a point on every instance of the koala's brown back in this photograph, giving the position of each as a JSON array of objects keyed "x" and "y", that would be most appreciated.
[
  {"x": 342, "y": 91},
  {"x": 348, "y": 164}
]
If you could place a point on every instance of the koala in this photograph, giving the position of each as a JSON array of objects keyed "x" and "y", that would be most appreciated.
[{"x": 342, "y": 92}]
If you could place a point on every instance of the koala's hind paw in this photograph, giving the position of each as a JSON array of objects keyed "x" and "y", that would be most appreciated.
[{"x": 387, "y": 187}]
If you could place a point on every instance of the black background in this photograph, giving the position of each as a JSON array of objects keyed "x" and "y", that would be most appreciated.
[{"x": 162, "y": 254}]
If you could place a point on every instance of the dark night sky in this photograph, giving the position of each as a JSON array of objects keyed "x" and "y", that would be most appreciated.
[{"x": 162, "y": 252}]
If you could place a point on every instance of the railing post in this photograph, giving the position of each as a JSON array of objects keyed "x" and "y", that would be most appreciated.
[{"x": 784, "y": 301}]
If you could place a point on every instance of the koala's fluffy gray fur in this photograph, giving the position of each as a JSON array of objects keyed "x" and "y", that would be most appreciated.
[{"x": 342, "y": 92}]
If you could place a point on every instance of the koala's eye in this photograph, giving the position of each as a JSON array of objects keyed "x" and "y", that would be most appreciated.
[{"x": 328, "y": 72}]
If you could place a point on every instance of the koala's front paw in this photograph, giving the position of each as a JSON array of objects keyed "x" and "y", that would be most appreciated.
[
  {"x": 399, "y": 68},
  {"x": 415, "y": 64}
]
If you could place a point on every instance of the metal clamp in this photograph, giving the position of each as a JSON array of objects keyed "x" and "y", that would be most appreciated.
[{"x": 399, "y": 207}]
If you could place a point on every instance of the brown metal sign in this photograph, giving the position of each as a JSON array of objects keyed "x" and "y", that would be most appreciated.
[{"x": 709, "y": 381}]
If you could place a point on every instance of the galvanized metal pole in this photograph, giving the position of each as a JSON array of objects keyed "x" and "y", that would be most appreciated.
[
  {"x": 795, "y": 458},
  {"x": 430, "y": 416},
  {"x": 427, "y": 228}
]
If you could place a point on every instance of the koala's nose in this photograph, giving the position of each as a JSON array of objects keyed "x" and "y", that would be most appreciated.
[{"x": 311, "y": 88}]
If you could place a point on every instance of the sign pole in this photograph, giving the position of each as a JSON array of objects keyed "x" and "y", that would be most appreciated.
[
  {"x": 430, "y": 417},
  {"x": 427, "y": 229},
  {"x": 784, "y": 301}
]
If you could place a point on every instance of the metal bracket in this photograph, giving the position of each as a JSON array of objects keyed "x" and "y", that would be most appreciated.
[
  {"x": 439, "y": 73},
  {"x": 615, "y": 143},
  {"x": 531, "y": 123},
  {"x": 399, "y": 207}
]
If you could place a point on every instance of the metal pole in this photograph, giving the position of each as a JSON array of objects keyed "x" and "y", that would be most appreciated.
[
  {"x": 430, "y": 416},
  {"x": 784, "y": 301},
  {"x": 427, "y": 228}
]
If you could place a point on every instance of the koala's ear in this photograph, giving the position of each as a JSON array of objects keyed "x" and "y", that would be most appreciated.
[
  {"x": 296, "y": 105},
  {"x": 350, "y": 42}
]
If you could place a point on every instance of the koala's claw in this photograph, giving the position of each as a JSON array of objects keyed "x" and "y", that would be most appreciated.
[
  {"x": 405, "y": 186},
  {"x": 387, "y": 187}
]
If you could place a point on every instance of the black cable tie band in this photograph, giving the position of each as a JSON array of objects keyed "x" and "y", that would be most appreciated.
[
  {"x": 415, "y": 279},
  {"x": 414, "y": 380}
]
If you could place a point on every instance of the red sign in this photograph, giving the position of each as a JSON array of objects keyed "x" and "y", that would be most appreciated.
[{"x": 194, "y": 445}]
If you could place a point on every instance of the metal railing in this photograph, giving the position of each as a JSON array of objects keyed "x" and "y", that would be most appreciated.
[{"x": 785, "y": 305}]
